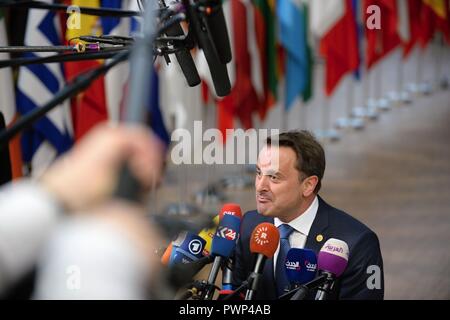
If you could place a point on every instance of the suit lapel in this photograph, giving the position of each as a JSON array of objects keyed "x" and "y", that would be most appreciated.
[{"x": 316, "y": 237}]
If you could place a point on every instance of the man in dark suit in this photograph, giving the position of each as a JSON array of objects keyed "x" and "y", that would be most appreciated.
[{"x": 287, "y": 183}]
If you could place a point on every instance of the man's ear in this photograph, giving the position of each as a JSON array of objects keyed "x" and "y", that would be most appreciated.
[{"x": 309, "y": 185}]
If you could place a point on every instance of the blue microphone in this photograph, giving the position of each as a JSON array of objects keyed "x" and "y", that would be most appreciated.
[
  {"x": 300, "y": 266},
  {"x": 226, "y": 236},
  {"x": 222, "y": 247},
  {"x": 187, "y": 248}
]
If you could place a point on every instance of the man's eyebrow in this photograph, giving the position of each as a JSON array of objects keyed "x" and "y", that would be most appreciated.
[{"x": 273, "y": 172}]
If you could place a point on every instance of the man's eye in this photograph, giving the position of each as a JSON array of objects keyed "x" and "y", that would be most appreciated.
[{"x": 274, "y": 178}]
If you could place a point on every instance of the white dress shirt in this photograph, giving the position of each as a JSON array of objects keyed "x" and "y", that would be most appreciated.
[{"x": 302, "y": 224}]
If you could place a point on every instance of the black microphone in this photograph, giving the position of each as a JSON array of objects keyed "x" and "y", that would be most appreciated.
[
  {"x": 182, "y": 274},
  {"x": 215, "y": 22},
  {"x": 218, "y": 70},
  {"x": 263, "y": 242},
  {"x": 227, "y": 274},
  {"x": 183, "y": 55},
  {"x": 301, "y": 292}
]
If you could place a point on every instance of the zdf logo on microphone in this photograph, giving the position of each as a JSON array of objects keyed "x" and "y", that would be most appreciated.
[{"x": 226, "y": 233}]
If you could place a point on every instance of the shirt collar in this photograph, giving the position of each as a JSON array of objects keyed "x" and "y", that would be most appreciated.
[{"x": 303, "y": 222}]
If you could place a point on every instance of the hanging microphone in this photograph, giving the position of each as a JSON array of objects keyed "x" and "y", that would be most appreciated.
[
  {"x": 300, "y": 266},
  {"x": 218, "y": 70},
  {"x": 223, "y": 245},
  {"x": 216, "y": 24},
  {"x": 332, "y": 261},
  {"x": 263, "y": 242},
  {"x": 183, "y": 55}
]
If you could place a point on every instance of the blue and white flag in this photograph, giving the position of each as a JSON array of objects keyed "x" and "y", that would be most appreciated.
[{"x": 37, "y": 84}]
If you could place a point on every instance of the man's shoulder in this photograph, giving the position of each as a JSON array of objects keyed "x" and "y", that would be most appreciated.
[{"x": 345, "y": 224}]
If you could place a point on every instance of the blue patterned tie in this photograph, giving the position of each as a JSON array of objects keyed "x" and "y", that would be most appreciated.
[{"x": 281, "y": 278}]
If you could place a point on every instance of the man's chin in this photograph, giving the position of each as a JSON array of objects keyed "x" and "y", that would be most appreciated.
[{"x": 263, "y": 210}]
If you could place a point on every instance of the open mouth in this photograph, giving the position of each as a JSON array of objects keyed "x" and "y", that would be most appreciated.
[{"x": 262, "y": 199}]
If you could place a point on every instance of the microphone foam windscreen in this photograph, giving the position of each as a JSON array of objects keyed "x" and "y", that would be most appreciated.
[
  {"x": 265, "y": 239},
  {"x": 301, "y": 265},
  {"x": 191, "y": 249},
  {"x": 232, "y": 209},
  {"x": 226, "y": 236},
  {"x": 333, "y": 257},
  {"x": 208, "y": 235},
  {"x": 166, "y": 256}
]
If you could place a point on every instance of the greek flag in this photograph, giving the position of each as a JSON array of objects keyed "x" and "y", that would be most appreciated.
[{"x": 37, "y": 84}]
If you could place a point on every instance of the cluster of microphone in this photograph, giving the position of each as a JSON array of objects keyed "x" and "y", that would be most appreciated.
[
  {"x": 207, "y": 30},
  {"x": 190, "y": 252},
  {"x": 307, "y": 272}
]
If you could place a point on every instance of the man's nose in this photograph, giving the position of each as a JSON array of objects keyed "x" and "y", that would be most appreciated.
[{"x": 262, "y": 184}]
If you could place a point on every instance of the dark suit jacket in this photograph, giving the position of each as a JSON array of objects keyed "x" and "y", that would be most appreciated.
[{"x": 364, "y": 250}]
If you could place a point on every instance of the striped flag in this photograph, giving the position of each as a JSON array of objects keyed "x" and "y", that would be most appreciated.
[
  {"x": 435, "y": 15},
  {"x": 37, "y": 84},
  {"x": 415, "y": 27},
  {"x": 160, "y": 90},
  {"x": 293, "y": 21},
  {"x": 403, "y": 25},
  {"x": 333, "y": 22},
  {"x": 267, "y": 42},
  {"x": 359, "y": 26},
  {"x": 116, "y": 78},
  {"x": 243, "y": 99},
  {"x": 8, "y": 107},
  {"x": 381, "y": 42},
  {"x": 90, "y": 106}
]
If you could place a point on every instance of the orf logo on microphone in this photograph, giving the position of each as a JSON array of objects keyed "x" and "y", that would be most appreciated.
[{"x": 195, "y": 247}]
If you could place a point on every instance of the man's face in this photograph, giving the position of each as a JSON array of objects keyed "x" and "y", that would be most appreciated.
[{"x": 279, "y": 191}]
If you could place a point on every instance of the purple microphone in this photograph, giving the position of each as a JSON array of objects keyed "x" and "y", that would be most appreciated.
[{"x": 332, "y": 261}]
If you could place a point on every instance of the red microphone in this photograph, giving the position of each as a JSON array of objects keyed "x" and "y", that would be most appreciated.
[
  {"x": 263, "y": 242},
  {"x": 231, "y": 209}
]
